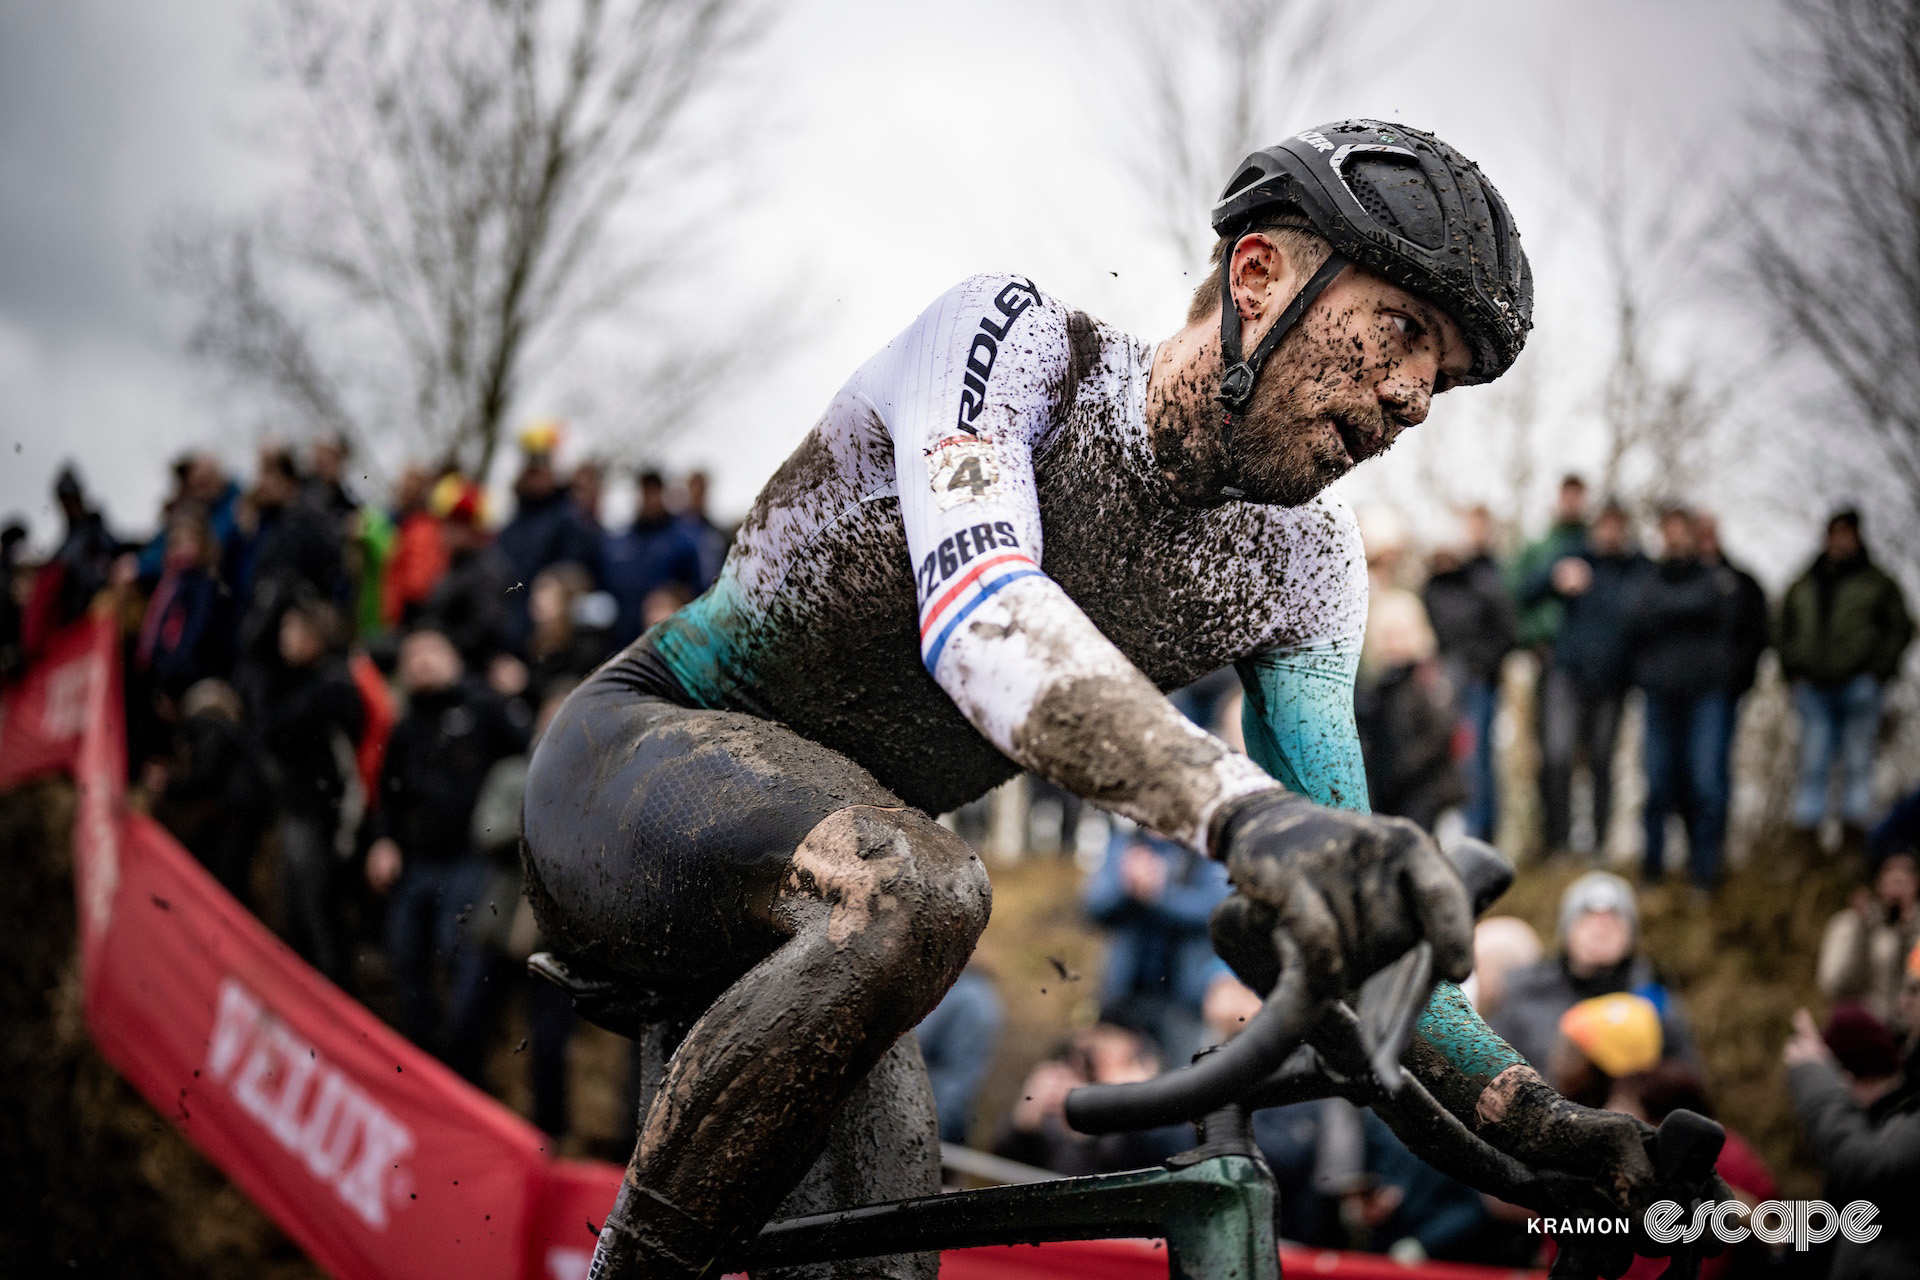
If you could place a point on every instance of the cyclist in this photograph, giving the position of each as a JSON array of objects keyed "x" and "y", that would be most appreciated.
[{"x": 1010, "y": 530}]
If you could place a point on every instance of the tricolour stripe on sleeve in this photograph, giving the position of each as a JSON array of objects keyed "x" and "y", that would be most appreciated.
[
  {"x": 945, "y": 600},
  {"x": 953, "y": 608}
]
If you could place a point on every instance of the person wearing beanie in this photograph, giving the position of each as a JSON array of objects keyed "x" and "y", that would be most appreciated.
[
  {"x": 1599, "y": 929},
  {"x": 1864, "y": 1050}
]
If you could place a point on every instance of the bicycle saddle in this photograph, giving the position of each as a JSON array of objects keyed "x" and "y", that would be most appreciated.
[{"x": 612, "y": 1001}]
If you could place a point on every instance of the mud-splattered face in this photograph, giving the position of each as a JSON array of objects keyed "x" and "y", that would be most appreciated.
[{"x": 1362, "y": 366}]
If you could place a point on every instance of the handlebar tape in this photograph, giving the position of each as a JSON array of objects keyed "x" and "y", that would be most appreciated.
[{"x": 1268, "y": 1039}]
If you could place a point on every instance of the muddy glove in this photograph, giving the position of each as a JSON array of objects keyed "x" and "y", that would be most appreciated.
[
  {"x": 1603, "y": 1164},
  {"x": 1355, "y": 892}
]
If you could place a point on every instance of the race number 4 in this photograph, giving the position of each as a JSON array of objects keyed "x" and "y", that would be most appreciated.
[{"x": 961, "y": 470}]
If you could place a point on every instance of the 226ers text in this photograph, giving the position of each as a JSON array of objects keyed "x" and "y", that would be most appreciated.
[{"x": 958, "y": 548}]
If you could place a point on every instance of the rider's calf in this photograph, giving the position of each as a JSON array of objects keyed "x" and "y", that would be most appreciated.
[{"x": 881, "y": 908}]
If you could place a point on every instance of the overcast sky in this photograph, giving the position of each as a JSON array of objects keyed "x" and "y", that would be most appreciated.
[{"x": 903, "y": 146}]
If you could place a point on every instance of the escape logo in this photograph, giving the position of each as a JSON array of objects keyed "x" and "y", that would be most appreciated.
[
  {"x": 1796, "y": 1222},
  {"x": 346, "y": 1139}
]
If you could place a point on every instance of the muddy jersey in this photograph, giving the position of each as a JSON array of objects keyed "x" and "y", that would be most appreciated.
[{"x": 977, "y": 524}]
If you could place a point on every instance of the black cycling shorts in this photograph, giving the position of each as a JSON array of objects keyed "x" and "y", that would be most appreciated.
[{"x": 657, "y": 832}]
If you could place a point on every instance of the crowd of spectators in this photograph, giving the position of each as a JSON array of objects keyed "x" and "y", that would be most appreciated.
[
  {"x": 1592, "y": 1016},
  {"x": 331, "y": 702},
  {"x": 1684, "y": 628},
  {"x": 330, "y": 699}
]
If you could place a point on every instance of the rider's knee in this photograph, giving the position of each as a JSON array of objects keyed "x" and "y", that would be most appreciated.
[{"x": 894, "y": 880}]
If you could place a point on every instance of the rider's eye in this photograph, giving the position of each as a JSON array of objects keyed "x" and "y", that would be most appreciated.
[{"x": 1408, "y": 327}]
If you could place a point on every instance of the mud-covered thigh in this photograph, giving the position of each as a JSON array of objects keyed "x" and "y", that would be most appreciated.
[{"x": 658, "y": 835}]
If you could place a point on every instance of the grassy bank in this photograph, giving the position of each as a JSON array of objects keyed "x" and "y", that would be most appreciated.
[{"x": 94, "y": 1182}]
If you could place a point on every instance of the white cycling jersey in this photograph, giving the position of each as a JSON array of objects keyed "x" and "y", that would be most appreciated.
[{"x": 977, "y": 524}]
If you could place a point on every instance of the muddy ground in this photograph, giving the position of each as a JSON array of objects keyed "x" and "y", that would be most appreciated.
[{"x": 94, "y": 1183}]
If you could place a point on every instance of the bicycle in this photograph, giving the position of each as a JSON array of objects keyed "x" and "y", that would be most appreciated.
[{"x": 1213, "y": 1204}]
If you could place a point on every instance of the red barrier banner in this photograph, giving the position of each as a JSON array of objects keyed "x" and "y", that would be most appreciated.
[
  {"x": 47, "y": 712},
  {"x": 65, "y": 714},
  {"x": 1147, "y": 1260},
  {"x": 375, "y": 1158}
]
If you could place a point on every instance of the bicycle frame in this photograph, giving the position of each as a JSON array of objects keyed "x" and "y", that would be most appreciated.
[{"x": 1213, "y": 1206}]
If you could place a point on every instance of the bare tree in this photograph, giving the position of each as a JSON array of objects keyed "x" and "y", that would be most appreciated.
[
  {"x": 1833, "y": 234},
  {"x": 1218, "y": 79},
  {"x": 480, "y": 183},
  {"x": 1482, "y": 447},
  {"x": 1662, "y": 395}
]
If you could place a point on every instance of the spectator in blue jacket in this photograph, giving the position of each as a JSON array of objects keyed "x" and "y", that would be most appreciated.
[
  {"x": 1581, "y": 692},
  {"x": 547, "y": 528},
  {"x": 958, "y": 1040},
  {"x": 1154, "y": 897},
  {"x": 655, "y": 552},
  {"x": 204, "y": 486}
]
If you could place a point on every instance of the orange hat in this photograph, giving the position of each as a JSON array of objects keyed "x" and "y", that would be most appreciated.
[
  {"x": 541, "y": 437},
  {"x": 1620, "y": 1033},
  {"x": 459, "y": 500}
]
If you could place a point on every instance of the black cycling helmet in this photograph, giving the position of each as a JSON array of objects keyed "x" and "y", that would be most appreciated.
[{"x": 1401, "y": 203}]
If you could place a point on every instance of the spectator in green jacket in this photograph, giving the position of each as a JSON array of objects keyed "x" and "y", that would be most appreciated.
[
  {"x": 1840, "y": 634},
  {"x": 1540, "y": 621}
]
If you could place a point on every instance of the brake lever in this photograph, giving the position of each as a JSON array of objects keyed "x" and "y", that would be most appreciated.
[{"x": 1390, "y": 1003}]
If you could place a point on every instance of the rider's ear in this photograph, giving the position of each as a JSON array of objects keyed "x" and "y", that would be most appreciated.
[{"x": 1257, "y": 264}]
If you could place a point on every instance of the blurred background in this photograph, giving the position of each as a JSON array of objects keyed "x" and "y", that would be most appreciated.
[
  {"x": 380, "y": 359},
  {"x": 799, "y": 181}
]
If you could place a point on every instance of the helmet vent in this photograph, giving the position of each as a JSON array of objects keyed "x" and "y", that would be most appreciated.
[
  {"x": 1244, "y": 179},
  {"x": 1374, "y": 203},
  {"x": 1503, "y": 237},
  {"x": 1394, "y": 191}
]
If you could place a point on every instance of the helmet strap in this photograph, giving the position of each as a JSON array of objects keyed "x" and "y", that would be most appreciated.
[{"x": 1239, "y": 375}]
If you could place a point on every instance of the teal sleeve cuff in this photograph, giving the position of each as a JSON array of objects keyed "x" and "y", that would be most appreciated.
[
  {"x": 1454, "y": 1028},
  {"x": 1298, "y": 721}
]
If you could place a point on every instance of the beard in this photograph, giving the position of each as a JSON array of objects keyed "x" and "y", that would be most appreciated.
[
  {"x": 1313, "y": 419},
  {"x": 1311, "y": 422}
]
